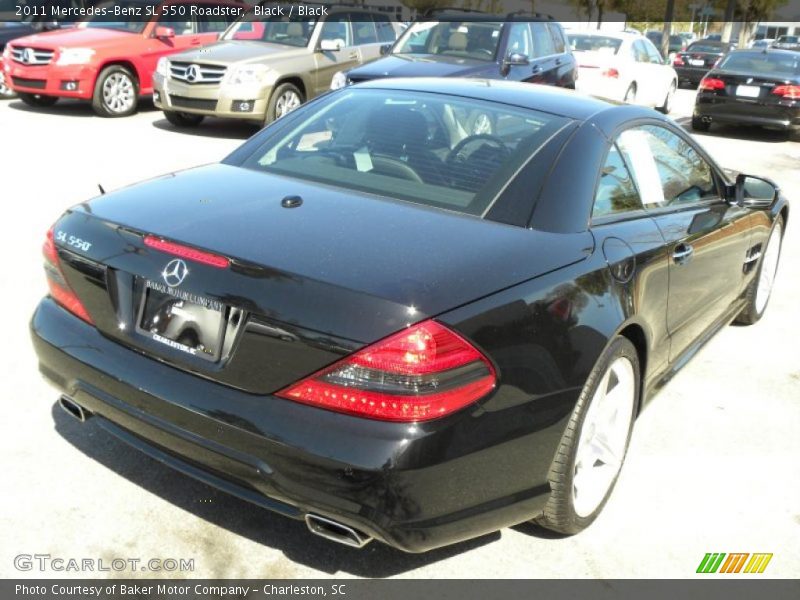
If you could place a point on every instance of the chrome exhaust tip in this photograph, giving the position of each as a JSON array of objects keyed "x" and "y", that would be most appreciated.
[
  {"x": 74, "y": 409},
  {"x": 336, "y": 532}
]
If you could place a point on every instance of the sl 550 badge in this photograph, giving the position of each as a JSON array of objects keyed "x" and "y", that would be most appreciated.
[{"x": 71, "y": 240}]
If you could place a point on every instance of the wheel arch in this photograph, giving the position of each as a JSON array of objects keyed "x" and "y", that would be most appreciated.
[
  {"x": 122, "y": 62},
  {"x": 295, "y": 80},
  {"x": 636, "y": 335}
]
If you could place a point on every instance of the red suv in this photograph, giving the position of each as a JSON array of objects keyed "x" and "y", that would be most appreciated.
[{"x": 112, "y": 63}]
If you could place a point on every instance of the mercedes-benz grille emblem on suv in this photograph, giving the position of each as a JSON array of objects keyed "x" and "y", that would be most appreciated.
[
  {"x": 28, "y": 56},
  {"x": 193, "y": 73},
  {"x": 175, "y": 272}
]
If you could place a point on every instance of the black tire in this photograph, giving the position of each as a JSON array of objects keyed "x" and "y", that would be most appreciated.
[
  {"x": 666, "y": 107},
  {"x": 182, "y": 119},
  {"x": 278, "y": 93},
  {"x": 559, "y": 513},
  {"x": 699, "y": 125},
  {"x": 37, "y": 99},
  {"x": 103, "y": 106},
  {"x": 750, "y": 313}
]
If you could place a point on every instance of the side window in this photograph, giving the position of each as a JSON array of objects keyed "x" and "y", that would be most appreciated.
[
  {"x": 558, "y": 38},
  {"x": 542, "y": 40},
  {"x": 211, "y": 24},
  {"x": 519, "y": 40},
  {"x": 384, "y": 28},
  {"x": 364, "y": 30},
  {"x": 653, "y": 54},
  {"x": 181, "y": 24},
  {"x": 640, "y": 52},
  {"x": 616, "y": 192},
  {"x": 336, "y": 28},
  {"x": 667, "y": 169}
]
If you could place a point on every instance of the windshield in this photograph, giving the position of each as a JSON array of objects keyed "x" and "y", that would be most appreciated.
[
  {"x": 477, "y": 41},
  {"x": 594, "y": 43},
  {"x": 101, "y": 21},
  {"x": 705, "y": 47},
  {"x": 437, "y": 150},
  {"x": 773, "y": 65},
  {"x": 274, "y": 30}
]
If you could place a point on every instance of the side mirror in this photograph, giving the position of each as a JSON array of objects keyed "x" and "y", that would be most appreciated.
[
  {"x": 386, "y": 49},
  {"x": 331, "y": 45},
  {"x": 165, "y": 32},
  {"x": 755, "y": 192},
  {"x": 515, "y": 59}
]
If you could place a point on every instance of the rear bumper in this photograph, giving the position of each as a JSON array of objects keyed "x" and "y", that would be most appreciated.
[
  {"x": 691, "y": 74},
  {"x": 726, "y": 110},
  {"x": 211, "y": 100},
  {"x": 51, "y": 80},
  {"x": 414, "y": 487}
]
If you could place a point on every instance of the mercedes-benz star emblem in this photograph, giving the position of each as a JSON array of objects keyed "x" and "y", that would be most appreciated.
[
  {"x": 175, "y": 272},
  {"x": 193, "y": 73},
  {"x": 28, "y": 56}
]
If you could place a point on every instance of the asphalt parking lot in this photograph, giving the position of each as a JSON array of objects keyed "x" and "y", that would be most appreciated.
[{"x": 714, "y": 465}]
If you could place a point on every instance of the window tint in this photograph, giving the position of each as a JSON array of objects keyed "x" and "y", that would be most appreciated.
[
  {"x": 667, "y": 169},
  {"x": 477, "y": 40},
  {"x": 559, "y": 43},
  {"x": 364, "y": 30},
  {"x": 519, "y": 40},
  {"x": 616, "y": 192},
  {"x": 410, "y": 146},
  {"x": 594, "y": 43},
  {"x": 213, "y": 24},
  {"x": 384, "y": 27},
  {"x": 275, "y": 30},
  {"x": 542, "y": 40},
  {"x": 763, "y": 63},
  {"x": 640, "y": 52}
]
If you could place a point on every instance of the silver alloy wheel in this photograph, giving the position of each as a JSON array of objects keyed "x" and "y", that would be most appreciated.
[
  {"x": 5, "y": 91},
  {"x": 604, "y": 437},
  {"x": 769, "y": 268},
  {"x": 482, "y": 124},
  {"x": 287, "y": 102},
  {"x": 118, "y": 93}
]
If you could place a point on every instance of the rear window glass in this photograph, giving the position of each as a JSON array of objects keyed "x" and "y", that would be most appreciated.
[
  {"x": 594, "y": 43},
  {"x": 788, "y": 39},
  {"x": 704, "y": 47},
  {"x": 443, "y": 151},
  {"x": 780, "y": 65}
]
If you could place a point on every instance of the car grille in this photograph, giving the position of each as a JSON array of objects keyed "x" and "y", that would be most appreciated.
[
  {"x": 31, "y": 56},
  {"x": 183, "y": 102},
  {"x": 35, "y": 84},
  {"x": 195, "y": 74}
]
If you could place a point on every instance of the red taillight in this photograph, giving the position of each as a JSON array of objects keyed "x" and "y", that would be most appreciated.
[
  {"x": 709, "y": 84},
  {"x": 421, "y": 373},
  {"x": 611, "y": 72},
  {"x": 678, "y": 61},
  {"x": 187, "y": 252},
  {"x": 59, "y": 288},
  {"x": 789, "y": 92}
]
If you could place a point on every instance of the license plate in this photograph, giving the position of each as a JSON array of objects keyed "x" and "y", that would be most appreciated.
[
  {"x": 697, "y": 63},
  {"x": 183, "y": 321},
  {"x": 748, "y": 91}
]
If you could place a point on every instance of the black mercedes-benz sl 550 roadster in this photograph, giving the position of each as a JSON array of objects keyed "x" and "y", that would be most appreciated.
[{"x": 373, "y": 319}]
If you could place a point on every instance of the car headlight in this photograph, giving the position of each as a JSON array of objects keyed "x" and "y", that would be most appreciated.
[
  {"x": 339, "y": 80},
  {"x": 75, "y": 56},
  {"x": 246, "y": 74},
  {"x": 162, "y": 67}
]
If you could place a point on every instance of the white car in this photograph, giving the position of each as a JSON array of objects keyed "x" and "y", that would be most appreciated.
[{"x": 623, "y": 66}]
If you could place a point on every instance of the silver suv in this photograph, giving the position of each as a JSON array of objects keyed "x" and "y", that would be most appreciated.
[{"x": 264, "y": 67}]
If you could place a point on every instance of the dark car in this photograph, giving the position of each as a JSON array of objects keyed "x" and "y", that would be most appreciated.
[
  {"x": 677, "y": 43},
  {"x": 368, "y": 318},
  {"x": 515, "y": 48},
  {"x": 751, "y": 87},
  {"x": 698, "y": 59},
  {"x": 787, "y": 42}
]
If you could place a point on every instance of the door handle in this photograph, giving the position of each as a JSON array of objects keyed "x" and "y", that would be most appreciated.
[
  {"x": 536, "y": 68},
  {"x": 354, "y": 56},
  {"x": 195, "y": 42},
  {"x": 682, "y": 254}
]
